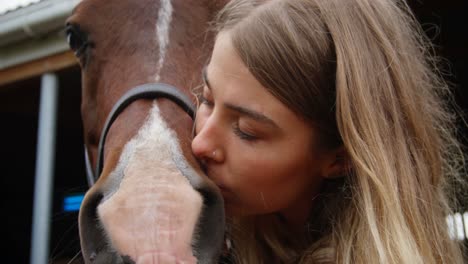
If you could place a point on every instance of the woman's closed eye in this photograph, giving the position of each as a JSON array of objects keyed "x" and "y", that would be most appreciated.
[{"x": 247, "y": 136}]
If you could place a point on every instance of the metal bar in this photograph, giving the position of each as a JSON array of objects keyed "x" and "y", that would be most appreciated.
[{"x": 44, "y": 170}]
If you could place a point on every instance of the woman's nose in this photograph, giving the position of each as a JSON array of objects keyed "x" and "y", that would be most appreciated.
[{"x": 206, "y": 144}]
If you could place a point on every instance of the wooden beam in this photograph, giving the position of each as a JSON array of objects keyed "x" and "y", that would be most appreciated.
[{"x": 38, "y": 67}]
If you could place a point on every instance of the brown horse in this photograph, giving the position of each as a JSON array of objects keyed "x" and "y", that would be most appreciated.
[{"x": 151, "y": 202}]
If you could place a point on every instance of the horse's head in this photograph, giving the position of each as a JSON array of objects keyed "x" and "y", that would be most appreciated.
[{"x": 151, "y": 202}]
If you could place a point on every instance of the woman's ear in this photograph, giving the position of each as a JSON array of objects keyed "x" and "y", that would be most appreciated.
[{"x": 337, "y": 164}]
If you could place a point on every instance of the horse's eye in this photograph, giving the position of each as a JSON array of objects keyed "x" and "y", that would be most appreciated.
[{"x": 76, "y": 39}]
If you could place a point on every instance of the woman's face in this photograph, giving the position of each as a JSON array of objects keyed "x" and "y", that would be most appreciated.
[{"x": 261, "y": 155}]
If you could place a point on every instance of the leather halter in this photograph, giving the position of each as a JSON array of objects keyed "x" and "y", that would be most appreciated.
[{"x": 145, "y": 91}]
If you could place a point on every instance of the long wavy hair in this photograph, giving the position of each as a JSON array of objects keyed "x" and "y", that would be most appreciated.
[{"x": 364, "y": 74}]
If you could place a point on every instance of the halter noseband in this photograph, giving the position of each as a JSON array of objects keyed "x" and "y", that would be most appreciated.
[{"x": 145, "y": 91}]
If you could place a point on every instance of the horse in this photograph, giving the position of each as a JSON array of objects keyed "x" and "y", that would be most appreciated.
[{"x": 149, "y": 200}]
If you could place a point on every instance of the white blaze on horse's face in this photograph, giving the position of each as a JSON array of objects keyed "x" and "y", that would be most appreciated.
[
  {"x": 148, "y": 203},
  {"x": 162, "y": 29}
]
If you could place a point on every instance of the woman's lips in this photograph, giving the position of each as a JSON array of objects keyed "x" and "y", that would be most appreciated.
[{"x": 225, "y": 191}]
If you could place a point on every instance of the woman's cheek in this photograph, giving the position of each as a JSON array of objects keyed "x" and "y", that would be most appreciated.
[{"x": 250, "y": 170}]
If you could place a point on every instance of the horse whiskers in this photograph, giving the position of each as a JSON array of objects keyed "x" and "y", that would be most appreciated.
[
  {"x": 68, "y": 240},
  {"x": 69, "y": 231},
  {"x": 74, "y": 257}
]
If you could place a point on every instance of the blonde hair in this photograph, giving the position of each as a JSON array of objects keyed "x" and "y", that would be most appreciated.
[{"x": 364, "y": 74}]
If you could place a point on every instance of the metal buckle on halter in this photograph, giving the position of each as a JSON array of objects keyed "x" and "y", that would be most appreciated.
[{"x": 145, "y": 91}]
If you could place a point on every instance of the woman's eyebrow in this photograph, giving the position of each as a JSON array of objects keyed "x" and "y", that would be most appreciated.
[
  {"x": 242, "y": 110},
  {"x": 251, "y": 114}
]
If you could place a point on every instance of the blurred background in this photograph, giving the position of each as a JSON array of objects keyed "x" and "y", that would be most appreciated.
[{"x": 32, "y": 43}]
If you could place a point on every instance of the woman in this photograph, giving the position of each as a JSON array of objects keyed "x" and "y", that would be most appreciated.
[{"x": 322, "y": 123}]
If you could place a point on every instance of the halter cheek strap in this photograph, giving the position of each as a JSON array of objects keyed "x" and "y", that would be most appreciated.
[{"x": 145, "y": 91}]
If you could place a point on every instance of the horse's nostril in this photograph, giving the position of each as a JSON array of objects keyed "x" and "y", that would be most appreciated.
[
  {"x": 208, "y": 246},
  {"x": 127, "y": 260},
  {"x": 93, "y": 240}
]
